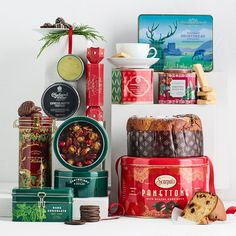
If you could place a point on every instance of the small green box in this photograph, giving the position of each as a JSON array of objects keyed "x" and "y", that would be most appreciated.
[
  {"x": 85, "y": 184},
  {"x": 42, "y": 205}
]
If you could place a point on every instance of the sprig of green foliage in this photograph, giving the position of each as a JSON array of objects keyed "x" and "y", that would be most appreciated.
[{"x": 84, "y": 30}]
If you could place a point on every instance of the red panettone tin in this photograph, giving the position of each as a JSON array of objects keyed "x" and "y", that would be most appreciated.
[{"x": 152, "y": 187}]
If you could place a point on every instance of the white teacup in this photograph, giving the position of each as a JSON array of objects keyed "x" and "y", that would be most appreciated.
[{"x": 135, "y": 50}]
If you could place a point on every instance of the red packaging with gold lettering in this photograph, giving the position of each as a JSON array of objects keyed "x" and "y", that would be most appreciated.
[{"x": 152, "y": 187}]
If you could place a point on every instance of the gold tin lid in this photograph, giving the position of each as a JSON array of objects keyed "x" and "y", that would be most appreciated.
[{"x": 177, "y": 71}]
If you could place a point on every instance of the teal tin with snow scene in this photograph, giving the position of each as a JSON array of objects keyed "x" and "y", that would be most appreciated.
[{"x": 42, "y": 205}]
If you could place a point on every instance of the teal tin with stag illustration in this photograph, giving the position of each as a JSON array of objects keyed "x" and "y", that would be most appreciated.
[
  {"x": 42, "y": 204},
  {"x": 180, "y": 40}
]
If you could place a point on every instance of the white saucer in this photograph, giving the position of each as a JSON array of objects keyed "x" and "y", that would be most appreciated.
[
  {"x": 135, "y": 63},
  {"x": 45, "y": 31}
]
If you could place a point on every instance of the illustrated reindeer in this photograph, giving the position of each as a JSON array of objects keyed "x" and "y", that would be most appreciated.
[{"x": 158, "y": 43}]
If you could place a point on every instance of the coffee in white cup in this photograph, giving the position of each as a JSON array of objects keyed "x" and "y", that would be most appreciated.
[{"x": 135, "y": 50}]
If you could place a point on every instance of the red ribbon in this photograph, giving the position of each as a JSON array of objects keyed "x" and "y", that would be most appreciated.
[
  {"x": 211, "y": 177},
  {"x": 70, "y": 33},
  {"x": 231, "y": 210},
  {"x": 120, "y": 210}
]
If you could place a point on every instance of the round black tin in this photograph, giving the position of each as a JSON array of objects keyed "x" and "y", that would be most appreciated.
[{"x": 60, "y": 101}]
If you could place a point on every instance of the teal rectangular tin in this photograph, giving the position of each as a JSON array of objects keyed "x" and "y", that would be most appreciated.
[
  {"x": 42, "y": 205},
  {"x": 180, "y": 40},
  {"x": 85, "y": 184}
]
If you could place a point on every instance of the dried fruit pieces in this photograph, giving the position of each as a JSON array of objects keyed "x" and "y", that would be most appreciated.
[{"x": 80, "y": 144}]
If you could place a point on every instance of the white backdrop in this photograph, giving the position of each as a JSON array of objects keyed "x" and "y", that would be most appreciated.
[{"x": 23, "y": 76}]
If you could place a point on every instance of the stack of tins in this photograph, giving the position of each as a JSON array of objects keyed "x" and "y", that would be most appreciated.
[
  {"x": 151, "y": 186},
  {"x": 81, "y": 144},
  {"x": 34, "y": 199}
]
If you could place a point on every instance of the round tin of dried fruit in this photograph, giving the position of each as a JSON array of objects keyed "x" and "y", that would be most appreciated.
[
  {"x": 80, "y": 143},
  {"x": 85, "y": 184}
]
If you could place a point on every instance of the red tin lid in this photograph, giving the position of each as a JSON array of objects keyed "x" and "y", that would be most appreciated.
[{"x": 164, "y": 161}]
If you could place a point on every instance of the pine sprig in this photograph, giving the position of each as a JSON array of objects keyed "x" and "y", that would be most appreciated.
[{"x": 84, "y": 30}]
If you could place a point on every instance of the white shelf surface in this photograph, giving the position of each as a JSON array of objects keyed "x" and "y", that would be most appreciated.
[{"x": 124, "y": 226}]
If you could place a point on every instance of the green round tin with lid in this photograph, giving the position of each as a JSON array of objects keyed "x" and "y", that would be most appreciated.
[
  {"x": 70, "y": 67},
  {"x": 85, "y": 184},
  {"x": 80, "y": 144}
]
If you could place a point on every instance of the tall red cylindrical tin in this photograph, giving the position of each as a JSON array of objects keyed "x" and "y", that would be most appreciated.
[{"x": 152, "y": 187}]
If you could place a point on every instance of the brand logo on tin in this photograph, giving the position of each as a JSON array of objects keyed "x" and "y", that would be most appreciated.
[
  {"x": 59, "y": 95},
  {"x": 78, "y": 181},
  {"x": 138, "y": 86},
  {"x": 165, "y": 181}
]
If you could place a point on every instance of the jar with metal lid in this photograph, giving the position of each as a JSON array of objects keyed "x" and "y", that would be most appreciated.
[{"x": 35, "y": 136}]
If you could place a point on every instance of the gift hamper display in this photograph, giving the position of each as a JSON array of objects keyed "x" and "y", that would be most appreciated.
[{"x": 165, "y": 167}]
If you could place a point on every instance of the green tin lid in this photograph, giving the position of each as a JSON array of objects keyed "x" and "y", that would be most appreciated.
[
  {"x": 48, "y": 191},
  {"x": 75, "y": 174},
  {"x": 70, "y": 159},
  {"x": 70, "y": 67}
]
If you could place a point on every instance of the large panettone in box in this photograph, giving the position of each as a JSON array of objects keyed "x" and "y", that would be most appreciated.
[{"x": 177, "y": 136}]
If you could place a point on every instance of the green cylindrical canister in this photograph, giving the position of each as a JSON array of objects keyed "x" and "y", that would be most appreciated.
[
  {"x": 80, "y": 144},
  {"x": 85, "y": 184}
]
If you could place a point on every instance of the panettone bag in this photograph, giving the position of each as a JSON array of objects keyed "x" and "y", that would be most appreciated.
[{"x": 152, "y": 187}]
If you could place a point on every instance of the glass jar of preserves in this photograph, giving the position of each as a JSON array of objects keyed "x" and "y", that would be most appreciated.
[{"x": 35, "y": 135}]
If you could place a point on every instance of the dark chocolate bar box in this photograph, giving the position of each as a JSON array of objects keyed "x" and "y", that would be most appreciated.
[{"x": 42, "y": 205}]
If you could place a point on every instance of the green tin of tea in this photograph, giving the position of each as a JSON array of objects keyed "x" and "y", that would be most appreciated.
[
  {"x": 42, "y": 205},
  {"x": 85, "y": 184}
]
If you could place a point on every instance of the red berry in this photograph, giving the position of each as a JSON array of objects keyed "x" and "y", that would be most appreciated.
[
  {"x": 89, "y": 142},
  {"x": 85, "y": 132},
  {"x": 88, "y": 162},
  {"x": 79, "y": 164},
  {"x": 62, "y": 144}
]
